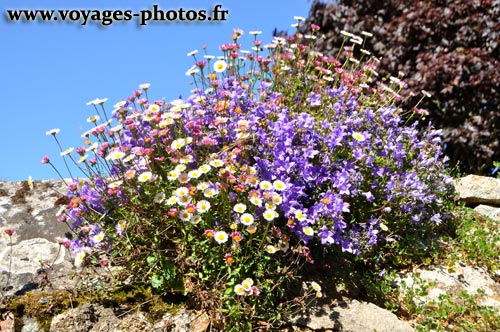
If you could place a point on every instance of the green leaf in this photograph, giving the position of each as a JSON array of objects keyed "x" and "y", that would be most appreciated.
[
  {"x": 151, "y": 260},
  {"x": 169, "y": 271},
  {"x": 157, "y": 281}
]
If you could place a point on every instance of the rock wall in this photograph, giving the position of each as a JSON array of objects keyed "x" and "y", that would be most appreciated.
[
  {"x": 31, "y": 212},
  {"x": 36, "y": 261}
]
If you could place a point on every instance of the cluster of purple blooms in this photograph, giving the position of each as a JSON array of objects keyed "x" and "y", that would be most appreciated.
[
  {"x": 352, "y": 176},
  {"x": 355, "y": 174}
]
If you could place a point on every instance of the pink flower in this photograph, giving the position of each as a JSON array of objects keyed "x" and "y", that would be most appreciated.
[
  {"x": 236, "y": 236},
  {"x": 10, "y": 231},
  {"x": 62, "y": 218},
  {"x": 81, "y": 150},
  {"x": 104, "y": 262},
  {"x": 173, "y": 212},
  {"x": 209, "y": 232},
  {"x": 228, "y": 258},
  {"x": 64, "y": 242},
  {"x": 254, "y": 291},
  {"x": 45, "y": 160}
]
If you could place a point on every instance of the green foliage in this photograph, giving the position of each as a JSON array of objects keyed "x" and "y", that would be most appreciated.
[
  {"x": 477, "y": 239},
  {"x": 450, "y": 312}
]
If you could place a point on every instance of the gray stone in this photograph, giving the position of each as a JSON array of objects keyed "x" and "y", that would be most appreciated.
[
  {"x": 35, "y": 252},
  {"x": 183, "y": 321},
  {"x": 27, "y": 256},
  {"x": 489, "y": 211},
  {"x": 460, "y": 277},
  {"x": 354, "y": 316},
  {"x": 32, "y": 213},
  {"x": 475, "y": 189},
  {"x": 96, "y": 318},
  {"x": 30, "y": 325}
]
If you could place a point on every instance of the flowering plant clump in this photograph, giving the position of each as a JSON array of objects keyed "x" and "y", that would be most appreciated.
[{"x": 225, "y": 194}]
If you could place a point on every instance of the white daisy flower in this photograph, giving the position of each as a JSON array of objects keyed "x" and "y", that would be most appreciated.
[
  {"x": 220, "y": 237},
  {"x": 97, "y": 101},
  {"x": 185, "y": 215},
  {"x": 220, "y": 66},
  {"x": 257, "y": 201},
  {"x": 180, "y": 168},
  {"x": 178, "y": 143},
  {"x": 205, "y": 168},
  {"x": 210, "y": 192},
  {"x": 271, "y": 249},
  {"x": 144, "y": 177},
  {"x": 308, "y": 231},
  {"x": 182, "y": 191},
  {"x": 203, "y": 206},
  {"x": 279, "y": 185},
  {"x": 194, "y": 174},
  {"x": 270, "y": 215},
  {"x": 246, "y": 219},
  {"x": 265, "y": 185},
  {"x": 172, "y": 200},
  {"x": 159, "y": 197},
  {"x": 202, "y": 186},
  {"x": 115, "y": 155},
  {"x": 216, "y": 163},
  {"x": 66, "y": 152},
  {"x": 240, "y": 208},
  {"x": 239, "y": 290}
]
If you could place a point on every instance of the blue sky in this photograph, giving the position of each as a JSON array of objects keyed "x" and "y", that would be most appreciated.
[{"x": 49, "y": 71}]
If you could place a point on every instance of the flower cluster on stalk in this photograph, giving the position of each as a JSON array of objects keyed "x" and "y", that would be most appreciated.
[{"x": 276, "y": 148}]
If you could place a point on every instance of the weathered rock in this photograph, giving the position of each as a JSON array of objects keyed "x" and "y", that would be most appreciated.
[
  {"x": 26, "y": 256},
  {"x": 94, "y": 318},
  {"x": 7, "y": 321},
  {"x": 475, "y": 189},
  {"x": 32, "y": 214},
  {"x": 30, "y": 325},
  {"x": 183, "y": 321},
  {"x": 490, "y": 211},
  {"x": 461, "y": 277},
  {"x": 354, "y": 316}
]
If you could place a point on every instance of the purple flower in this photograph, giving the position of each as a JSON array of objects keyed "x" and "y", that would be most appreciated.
[
  {"x": 326, "y": 236},
  {"x": 369, "y": 196},
  {"x": 314, "y": 99},
  {"x": 436, "y": 218}
]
